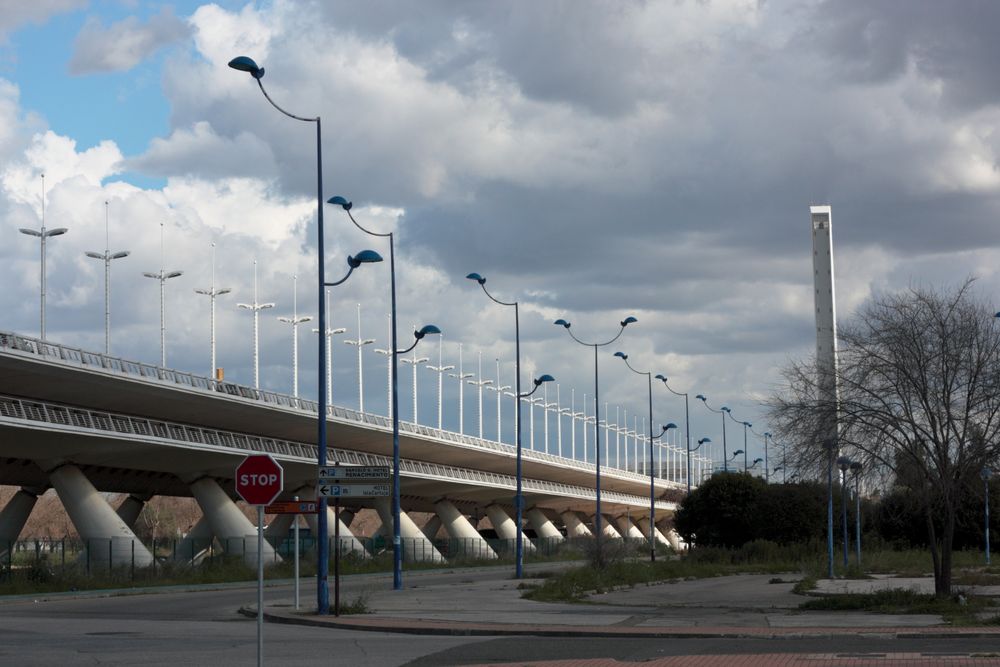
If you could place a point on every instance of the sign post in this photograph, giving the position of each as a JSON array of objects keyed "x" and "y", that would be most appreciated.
[
  {"x": 259, "y": 480},
  {"x": 295, "y": 522},
  {"x": 331, "y": 486}
]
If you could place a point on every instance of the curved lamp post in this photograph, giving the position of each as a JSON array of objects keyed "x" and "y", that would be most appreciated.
[
  {"x": 985, "y": 474},
  {"x": 746, "y": 425},
  {"x": 737, "y": 453},
  {"x": 844, "y": 464},
  {"x": 722, "y": 411},
  {"x": 245, "y": 64},
  {"x": 597, "y": 421},
  {"x": 394, "y": 351},
  {"x": 519, "y": 498},
  {"x": 856, "y": 469},
  {"x": 755, "y": 462},
  {"x": 701, "y": 441},
  {"x": 652, "y": 437},
  {"x": 687, "y": 425}
]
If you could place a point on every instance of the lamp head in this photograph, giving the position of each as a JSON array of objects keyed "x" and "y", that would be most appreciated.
[
  {"x": 704, "y": 440},
  {"x": 245, "y": 64},
  {"x": 627, "y": 321},
  {"x": 544, "y": 378},
  {"x": 341, "y": 202},
  {"x": 623, "y": 356},
  {"x": 95, "y": 255},
  {"x": 725, "y": 409},
  {"x": 58, "y": 231},
  {"x": 478, "y": 278},
  {"x": 986, "y": 473},
  {"x": 777, "y": 468},
  {"x": 661, "y": 377},
  {"x": 843, "y": 463},
  {"x": 363, "y": 257},
  {"x": 856, "y": 467},
  {"x": 426, "y": 329},
  {"x": 119, "y": 255},
  {"x": 738, "y": 451},
  {"x": 563, "y": 323},
  {"x": 667, "y": 427},
  {"x": 748, "y": 424},
  {"x": 767, "y": 434},
  {"x": 758, "y": 460},
  {"x": 701, "y": 397},
  {"x": 997, "y": 315}
]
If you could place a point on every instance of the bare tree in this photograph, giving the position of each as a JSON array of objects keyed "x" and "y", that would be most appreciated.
[{"x": 918, "y": 389}]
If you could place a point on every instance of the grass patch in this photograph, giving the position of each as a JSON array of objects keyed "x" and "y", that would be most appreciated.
[
  {"x": 804, "y": 585},
  {"x": 957, "y": 609}
]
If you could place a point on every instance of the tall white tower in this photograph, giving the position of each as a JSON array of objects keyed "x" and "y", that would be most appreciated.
[{"x": 826, "y": 309}]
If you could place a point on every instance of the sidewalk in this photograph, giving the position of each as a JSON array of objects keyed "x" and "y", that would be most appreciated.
[{"x": 744, "y": 606}]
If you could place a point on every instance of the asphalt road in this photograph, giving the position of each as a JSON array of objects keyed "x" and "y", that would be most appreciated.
[{"x": 203, "y": 628}]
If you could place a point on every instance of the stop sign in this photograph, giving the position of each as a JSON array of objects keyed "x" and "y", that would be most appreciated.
[{"x": 259, "y": 479}]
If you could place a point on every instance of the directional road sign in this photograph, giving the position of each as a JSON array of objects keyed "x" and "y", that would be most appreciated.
[
  {"x": 293, "y": 507},
  {"x": 354, "y": 490},
  {"x": 355, "y": 472},
  {"x": 259, "y": 479}
]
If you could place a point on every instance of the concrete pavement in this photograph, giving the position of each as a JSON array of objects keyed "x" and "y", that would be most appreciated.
[{"x": 742, "y": 606}]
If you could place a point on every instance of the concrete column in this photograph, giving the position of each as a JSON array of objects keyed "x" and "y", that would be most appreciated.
[
  {"x": 347, "y": 517},
  {"x": 278, "y": 527},
  {"x": 131, "y": 508},
  {"x": 468, "y": 540},
  {"x": 195, "y": 546},
  {"x": 608, "y": 528},
  {"x": 232, "y": 528},
  {"x": 507, "y": 530},
  {"x": 543, "y": 526},
  {"x": 103, "y": 531},
  {"x": 432, "y": 527},
  {"x": 416, "y": 547},
  {"x": 628, "y": 529},
  {"x": 349, "y": 544},
  {"x": 657, "y": 535},
  {"x": 574, "y": 526},
  {"x": 15, "y": 514},
  {"x": 666, "y": 527}
]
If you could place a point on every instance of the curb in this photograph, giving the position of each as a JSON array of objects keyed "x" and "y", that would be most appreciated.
[{"x": 461, "y": 629}]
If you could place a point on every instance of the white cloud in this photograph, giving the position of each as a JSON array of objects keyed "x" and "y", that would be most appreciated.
[{"x": 123, "y": 45}]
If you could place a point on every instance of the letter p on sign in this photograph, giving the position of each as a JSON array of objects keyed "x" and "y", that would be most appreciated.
[{"x": 259, "y": 479}]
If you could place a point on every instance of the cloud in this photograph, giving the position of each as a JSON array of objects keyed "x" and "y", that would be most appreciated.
[
  {"x": 200, "y": 151},
  {"x": 123, "y": 45},
  {"x": 16, "y": 14}
]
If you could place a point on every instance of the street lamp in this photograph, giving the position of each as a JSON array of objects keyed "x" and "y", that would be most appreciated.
[
  {"x": 107, "y": 256},
  {"x": 360, "y": 342},
  {"x": 722, "y": 411},
  {"x": 330, "y": 333},
  {"x": 211, "y": 293},
  {"x": 479, "y": 383},
  {"x": 746, "y": 425},
  {"x": 986, "y": 473},
  {"x": 295, "y": 321},
  {"x": 397, "y": 553},
  {"x": 462, "y": 376},
  {"x": 701, "y": 441},
  {"x": 245, "y": 64},
  {"x": 737, "y": 453},
  {"x": 162, "y": 276},
  {"x": 440, "y": 369},
  {"x": 687, "y": 425},
  {"x": 652, "y": 437},
  {"x": 500, "y": 390},
  {"x": 856, "y": 469},
  {"x": 755, "y": 462},
  {"x": 415, "y": 361},
  {"x": 597, "y": 420},
  {"x": 43, "y": 234},
  {"x": 255, "y": 308},
  {"x": 844, "y": 464}
]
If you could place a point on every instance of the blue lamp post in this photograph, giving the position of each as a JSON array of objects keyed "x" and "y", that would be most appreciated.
[
  {"x": 985, "y": 474},
  {"x": 701, "y": 441},
  {"x": 687, "y": 426},
  {"x": 844, "y": 464},
  {"x": 737, "y": 453},
  {"x": 755, "y": 462},
  {"x": 397, "y": 548},
  {"x": 245, "y": 64},
  {"x": 519, "y": 498},
  {"x": 722, "y": 411},
  {"x": 652, "y": 437},
  {"x": 597, "y": 421},
  {"x": 856, "y": 469}
]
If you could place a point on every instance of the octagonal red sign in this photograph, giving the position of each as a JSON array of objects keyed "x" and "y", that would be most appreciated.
[{"x": 259, "y": 479}]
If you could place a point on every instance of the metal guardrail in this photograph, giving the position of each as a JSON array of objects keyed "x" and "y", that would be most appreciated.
[
  {"x": 138, "y": 370},
  {"x": 19, "y": 410}
]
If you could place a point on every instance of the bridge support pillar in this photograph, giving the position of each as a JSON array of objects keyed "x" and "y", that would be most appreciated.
[
  {"x": 278, "y": 526},
  {"x": 574, "y": 526},
  {"x": 416, "y": 547},
  {"x": 15, "y": 514},
  {"x": 657, "y": 535},
  {"x": 673, "y": 538},
  {"x": 107, "y": 538},
  {"x": 233, "y": 529},
  {"x": 462, "y": 533},
  {"x": 507, "y": 530},
  {"x": 349, "y": 544},
  {"x": 543, "y": 525},
  {"x": 608, "y": 528},
  {"x": 432, "y": 527},
  {"x": 628, "y": 528},
  {"x": 131, "y": 508},
  {"x": 196, "y": 545}
]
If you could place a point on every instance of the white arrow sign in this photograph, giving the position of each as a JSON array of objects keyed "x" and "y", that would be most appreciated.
[
  {"x": 354, "y": 472},
  {"x": 354, "y": 490}
]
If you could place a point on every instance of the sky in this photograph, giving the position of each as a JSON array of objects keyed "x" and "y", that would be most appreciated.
[{"x": 592, "y": 159}]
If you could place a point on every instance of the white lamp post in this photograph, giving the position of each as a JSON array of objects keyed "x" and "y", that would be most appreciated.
[
  {"x": 255, "y": 308},
  {"x": 162, "y": 276},
  {"x": 500, "y": 390},
  {"x": 440, "y": 369},
  {"x": 211, "y": 293},
  {"x": 360, "y": 342},
  {"x": 462, "y": 377},
  {"x": 295, "y": 321},
  {"x": 43, "y": 234},
  {"x": 414, "y": 361},
  {"x": 388, "y": 358},
  {"x": 107, "y": 256},
  {"x": 479, "y": 383},
  {"x": 330, "y": 333}
]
